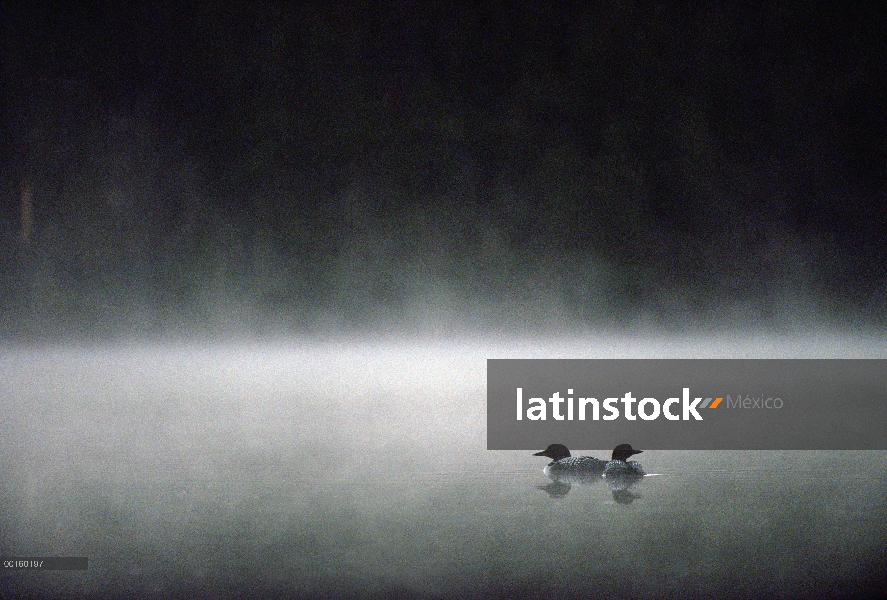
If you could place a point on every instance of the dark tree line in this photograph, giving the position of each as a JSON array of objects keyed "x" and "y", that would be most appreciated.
[{"x": 255, "y": 165}]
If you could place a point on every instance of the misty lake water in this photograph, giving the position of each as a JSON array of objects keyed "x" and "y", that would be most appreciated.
[{"x": 360, "y": 468}]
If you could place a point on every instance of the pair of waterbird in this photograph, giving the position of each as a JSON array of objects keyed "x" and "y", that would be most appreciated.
[{"x": 618, "y": 466}]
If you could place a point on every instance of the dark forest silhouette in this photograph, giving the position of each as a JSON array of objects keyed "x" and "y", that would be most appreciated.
[{"x": 282, "y": 167}]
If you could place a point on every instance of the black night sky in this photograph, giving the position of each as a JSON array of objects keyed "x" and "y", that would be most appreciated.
[{"x": 269, "y": 167}]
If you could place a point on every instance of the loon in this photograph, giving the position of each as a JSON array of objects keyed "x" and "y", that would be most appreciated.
[
  {"x": 562, "y": 462},
  {"x": 620, "y": 466}
]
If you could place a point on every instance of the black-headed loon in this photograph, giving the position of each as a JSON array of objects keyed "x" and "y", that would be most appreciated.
[
  {"x": 620, "y": 466},
  {"x": 562, "y": 462}
]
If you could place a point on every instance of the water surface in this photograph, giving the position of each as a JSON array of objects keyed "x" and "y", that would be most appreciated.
[{"x": 359, "y": 468}]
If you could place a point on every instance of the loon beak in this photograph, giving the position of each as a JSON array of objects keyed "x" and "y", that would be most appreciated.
[
  {"x": 539, "y": 453},
  {"x": 637, "y": 451}
]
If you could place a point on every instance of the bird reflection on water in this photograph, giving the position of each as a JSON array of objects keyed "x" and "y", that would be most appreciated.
[{"x": 620, "y": 475}]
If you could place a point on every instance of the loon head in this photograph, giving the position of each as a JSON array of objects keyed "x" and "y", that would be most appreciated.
[
  {"x": 624, "y": 451},
  {"x": 555, "y": 452}
]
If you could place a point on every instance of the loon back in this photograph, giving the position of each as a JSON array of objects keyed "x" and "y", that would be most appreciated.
[
  {"x": 620, "y": 468},
  {"x": 585, "y": 464}
]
